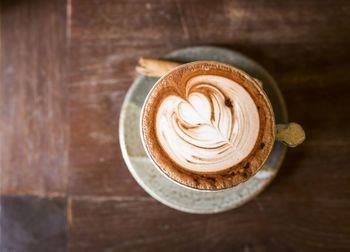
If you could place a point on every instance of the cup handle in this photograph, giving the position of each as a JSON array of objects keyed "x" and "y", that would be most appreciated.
[{"x": 291, "y": 134}]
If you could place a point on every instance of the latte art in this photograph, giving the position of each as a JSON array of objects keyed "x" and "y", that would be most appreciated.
[
  {"x": 212, "y": 129},
  {"x": 207, "y": 125}
]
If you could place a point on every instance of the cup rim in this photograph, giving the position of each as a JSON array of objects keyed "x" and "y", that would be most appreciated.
[{"x": 247, "y": 76}]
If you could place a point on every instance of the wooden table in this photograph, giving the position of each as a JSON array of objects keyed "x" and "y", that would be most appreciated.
[{"x": 66, "y": 66}]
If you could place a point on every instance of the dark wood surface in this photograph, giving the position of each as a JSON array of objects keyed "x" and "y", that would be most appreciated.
[{"x": 65, "y": 69}]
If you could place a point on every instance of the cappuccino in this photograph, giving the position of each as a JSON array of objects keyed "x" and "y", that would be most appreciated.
[{"x": 207, "y": 125}]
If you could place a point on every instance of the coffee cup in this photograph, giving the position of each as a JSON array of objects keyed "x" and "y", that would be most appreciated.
[{"x": 207, "y": 125}]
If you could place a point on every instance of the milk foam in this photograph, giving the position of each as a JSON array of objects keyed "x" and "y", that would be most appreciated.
[{"x": 214, "y": 128}]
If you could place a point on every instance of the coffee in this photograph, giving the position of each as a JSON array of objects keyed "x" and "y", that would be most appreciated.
[{"x": 207, "y": 125}]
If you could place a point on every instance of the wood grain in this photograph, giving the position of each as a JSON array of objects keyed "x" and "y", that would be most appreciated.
[
  {"x": 264, "y": 224},
  {"x": 305, "y": 208},
  {"x": 32, "y": 223},
  {"x": 33, "y": 98},
  {"x": 33, "y": 127},
  {"x": 67, "y": 65}
]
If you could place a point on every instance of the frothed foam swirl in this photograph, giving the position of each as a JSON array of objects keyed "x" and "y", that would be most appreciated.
[{"x": 215, "y": 127}]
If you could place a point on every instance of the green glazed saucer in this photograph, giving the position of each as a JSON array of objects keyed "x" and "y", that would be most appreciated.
[{"x": 168, "y": 192}]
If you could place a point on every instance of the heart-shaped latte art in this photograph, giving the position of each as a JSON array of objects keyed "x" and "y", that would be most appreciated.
[{"x": 214, "y": 128}]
